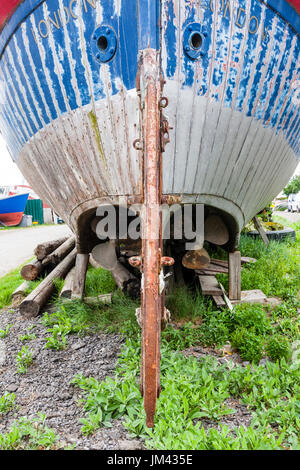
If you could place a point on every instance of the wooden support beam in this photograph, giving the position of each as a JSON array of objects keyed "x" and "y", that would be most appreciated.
[
  {"x": 31, "y": 306},
  {"x": 260, "y": 230},
  {"x": 234, "y": 270},
  {"x": 82, "y": 262},
  {"x": 66, "y": 292}
]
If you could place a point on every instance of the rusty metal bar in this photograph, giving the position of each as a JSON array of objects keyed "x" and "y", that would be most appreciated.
[{"x": 151, "y": 301}]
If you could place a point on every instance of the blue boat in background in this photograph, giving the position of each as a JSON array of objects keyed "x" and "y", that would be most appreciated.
[{"x": 12, "y": 209}]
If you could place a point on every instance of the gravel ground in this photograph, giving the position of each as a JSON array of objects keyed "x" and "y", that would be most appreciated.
[{"x": 45, "y": 387}]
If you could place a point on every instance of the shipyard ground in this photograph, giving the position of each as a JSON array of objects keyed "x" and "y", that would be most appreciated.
[{"x": 228, "y": 382}]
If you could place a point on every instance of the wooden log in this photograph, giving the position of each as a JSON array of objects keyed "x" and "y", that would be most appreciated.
[
  {"x": 260, "y": 230},
  {"x": 44, "y": 249},
  {"x": 66, "y": 292},
  {"x": 103, "y": 299},
  {"x": 105, "y": 256},
  {"x": 21, "y": 290},
  {"x": 31, "y": 306},
  {"x": 214, "y": 268},
  {"x": 234, "y": 269},
  {"x": 60, "y": 253},
  {"x": 31, "y": 271},
  {"x": 127, "y": 281},
  {"x": 82, "y": 262},
  {"x": 246, "y": 260},
  {"x": 19, "y": 294}
]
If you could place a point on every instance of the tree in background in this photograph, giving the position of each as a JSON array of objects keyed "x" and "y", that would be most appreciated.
[{"x": 293, "y": 186}]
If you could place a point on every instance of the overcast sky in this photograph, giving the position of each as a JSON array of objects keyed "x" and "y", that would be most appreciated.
[{"x": 10, "y": 175}]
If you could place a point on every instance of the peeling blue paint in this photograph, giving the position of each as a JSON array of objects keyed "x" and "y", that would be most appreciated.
[{"x": 221, "y": 73}]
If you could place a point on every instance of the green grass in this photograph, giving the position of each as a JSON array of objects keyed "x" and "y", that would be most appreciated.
[
  {"x": 24, "y": 228},
  {"x": 10, "y": 282},
  {"x": 7, "y": 403}
]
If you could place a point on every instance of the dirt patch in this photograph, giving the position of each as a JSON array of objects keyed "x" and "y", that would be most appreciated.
[
  {"x": 223, "y": 355},
  {"x": 241, "y": 417}
]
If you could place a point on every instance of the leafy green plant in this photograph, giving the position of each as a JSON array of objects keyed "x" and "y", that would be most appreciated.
[
  {"x": 248, "y": 343},
  {"x": 193, "y": 390},
  {"x": 27, "y": 337},
  {"x": 293, "y": 186},
  {"x": 251, "y": 317},
  {"x": 28, "y": 434},
  {"x": 278, "y": 347},
  {"x": 58, "y": 339},
  {"x": 7, "y": 402},
  {"x": 214, "y": 331},
  {"x": 24, "y": 360},
  {"x": 62, "y": 324},
  {"x": 4, "y": 333}
]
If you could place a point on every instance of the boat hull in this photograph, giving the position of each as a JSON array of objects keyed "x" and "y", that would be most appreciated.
[
  {"x": 12, "y": 209},
  {"x": 70, "y": 120}
]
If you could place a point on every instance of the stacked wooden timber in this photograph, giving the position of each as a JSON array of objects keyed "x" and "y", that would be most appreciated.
[
  {"x": 58, "y": 259},
  {"x": 54, "y": 259}
]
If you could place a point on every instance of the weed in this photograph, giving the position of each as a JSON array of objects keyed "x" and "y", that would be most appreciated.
[
  {"x": 4, "y": 333},
  {"x": 99, "y": 281},
  {"x": 24, "y": 360},
  {"x": 278, "y": 347},
  {"x": 7, "y": 402},
  {"x": 27, "y": 337},
  {"x": 61, "y": 325},
  {"x": 251, "y": 317},
  {"x": 248, "y": 343},
  {"x": 30, "y": 435}
]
